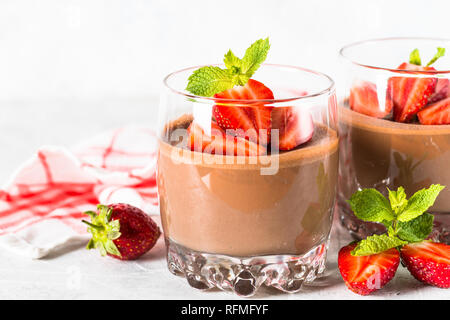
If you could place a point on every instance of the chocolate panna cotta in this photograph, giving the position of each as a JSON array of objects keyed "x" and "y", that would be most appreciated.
[
  {"x": 403, "y": 142},
  {"x": 232, "y": 209}
]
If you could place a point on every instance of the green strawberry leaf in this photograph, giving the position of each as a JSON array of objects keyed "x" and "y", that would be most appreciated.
[
  {"x": 420, "y": 202},
  {"x": 417, "y": 229},
  {"x": 376, "y": 244},
  {"x": 370, "y": 205}
]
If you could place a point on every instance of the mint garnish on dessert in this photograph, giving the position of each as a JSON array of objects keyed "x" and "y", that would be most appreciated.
[
  {"x": 210, "y": 80},
  {"x": 414, "y": 57},
  {"x": 405, "y": 219}
]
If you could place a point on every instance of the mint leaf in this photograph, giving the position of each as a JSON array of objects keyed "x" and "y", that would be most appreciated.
[
  {"x": 417, "y": 229},
  {"x": 398, "y": 199},
  {"x": 254, "y": 56},
  {"x": 370, "y": 205},
  {"x": 232, "y": 62},
  {"x": 376, "y": 244},
  {"x": 440, "y": 53},
  {"x": 208, "y": 81},
  {"x": 420, "y": 202},
  {"x": 414, "y": 57}
]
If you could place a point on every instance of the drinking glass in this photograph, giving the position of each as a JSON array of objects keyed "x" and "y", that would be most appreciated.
[
  {"x": 236, "y": 222},
  {"x": 377, "y": 152}
]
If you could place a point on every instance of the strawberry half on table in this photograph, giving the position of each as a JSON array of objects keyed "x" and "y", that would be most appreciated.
[
  {"x": 428, "y": 262},
  {"x": 121, "y": 231},
  {"x": 365, "y": 274}
]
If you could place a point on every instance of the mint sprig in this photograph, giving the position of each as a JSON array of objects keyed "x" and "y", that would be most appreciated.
[
  {"x": 414, "y": 57},
  {"x": 406, "y": 220},
  {"x": 207, "y": 81}
]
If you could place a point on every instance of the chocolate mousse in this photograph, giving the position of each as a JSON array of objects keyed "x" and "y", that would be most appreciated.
[{"x": 230, "y": 208}]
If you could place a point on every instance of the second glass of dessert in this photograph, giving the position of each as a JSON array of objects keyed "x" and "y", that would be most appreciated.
[
  {"x": 247, "y": 173},
  {"x": 395, "y": 124}
]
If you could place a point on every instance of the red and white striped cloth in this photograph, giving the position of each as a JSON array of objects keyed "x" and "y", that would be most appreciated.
[{"x": 42, "y": 205}]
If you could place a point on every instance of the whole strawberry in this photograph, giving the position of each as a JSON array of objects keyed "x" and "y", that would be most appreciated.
[
  {"x": 121, "y": 231},
  {"x": 428, "y": 262}
]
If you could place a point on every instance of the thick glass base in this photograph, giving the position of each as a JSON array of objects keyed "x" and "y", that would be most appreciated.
[
  {"x": 361, "y": 229},
  {"x": 244, "y": 275}
]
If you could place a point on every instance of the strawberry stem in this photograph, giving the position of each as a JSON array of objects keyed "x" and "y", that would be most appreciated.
[{"x": 93, "y": 225}]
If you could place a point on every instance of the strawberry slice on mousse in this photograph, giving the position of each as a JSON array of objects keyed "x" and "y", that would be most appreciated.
[
  {"x": 247, "y": 118},
  {"x": 295, "y": 126},
  {"x": 408, "y": 94},
  {"x": 364, "y": 99},
  {"x": 436, "y": 113},
  {"x": 220, "y": 143}
]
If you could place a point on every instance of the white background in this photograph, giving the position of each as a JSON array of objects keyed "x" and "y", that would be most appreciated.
[
  {"x": 96, "y": 49},
  {"x": 72, "y": 68}
]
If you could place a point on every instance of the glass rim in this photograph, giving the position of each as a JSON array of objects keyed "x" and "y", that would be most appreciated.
[
  {"x": 375, "y": 40},
  {"x": 328, "y": 89}
]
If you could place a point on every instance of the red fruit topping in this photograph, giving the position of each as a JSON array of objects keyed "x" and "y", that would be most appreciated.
[
  {"x": 442, "y": 91},
  {"x": 197, "y": 139},
  {"x": 365, "y": 274},
  {"x": 364, "y": 99},
  {"x": 410, "y": 95},
  {"x": 295, "y": 126},
  {"x": 251, "y": 116},
  {"x": 220, "y": 143},
  {"x": 122, "y": 231},
  {"x": 230, "y": 145},
  {"x": 436, "y": 113},
  {"x": 428, "y": 262}
]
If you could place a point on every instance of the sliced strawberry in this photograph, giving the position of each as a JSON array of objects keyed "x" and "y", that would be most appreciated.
[
  {"x": 247, "y": 116},
  {"x": 364, "y": 99},
  {"x": 198, "y": 140},
  {"x": 442, "y": 91},
  {"x": 366, "y": 274},
  {"x": 428, "y": 262},
  {"x": 410, "y": 95},
  {"x": 230, "y": 145},
  {"x": 220, "y": 143},
  {"x": 295, "y": 126},
  {"x": 436, "y": 113}
]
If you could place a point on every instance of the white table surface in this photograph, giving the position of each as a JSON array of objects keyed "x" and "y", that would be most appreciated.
[{"x": 81, "y": 274}]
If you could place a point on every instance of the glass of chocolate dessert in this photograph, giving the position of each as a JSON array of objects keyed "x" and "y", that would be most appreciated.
[
  {"x": 395, "y": 124},
  {"x": 247, "y": 173}
]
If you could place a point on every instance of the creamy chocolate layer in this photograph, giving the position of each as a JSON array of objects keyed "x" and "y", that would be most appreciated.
[
  {"x": 230, "y": 208},
  {"x": 381, "y": 154}
]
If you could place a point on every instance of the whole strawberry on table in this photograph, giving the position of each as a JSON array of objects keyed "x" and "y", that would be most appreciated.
[
  {"x": 368, "y": 265},
  {"x": 121, "y": 231}
]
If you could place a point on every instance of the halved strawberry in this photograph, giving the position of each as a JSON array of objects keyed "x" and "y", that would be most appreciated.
[
  {"x": 364, "y": 99},
  {"x": 436, "y": 113},
  {"x": 428, "y": 262},
  {"x": 365, "y": 274},
  {"x": 410, "y": 95},
  {"x": 197, "y": 139},
  {"x": 220, "y": 143},
  {"x": 230, "y": 145},
  {"x": 442, "y": 91},
  {"x": 247, "y": 115},
  {"x": 295, "y": 126}
]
